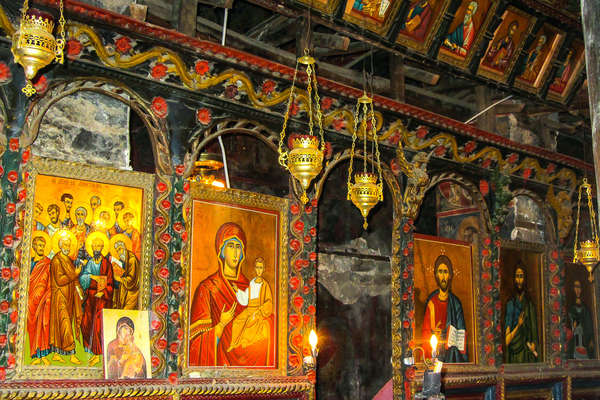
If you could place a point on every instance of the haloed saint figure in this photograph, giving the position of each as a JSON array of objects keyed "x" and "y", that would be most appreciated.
[
  {"x": 521, "y": 331},
  {"x": 216, "y": 338},
  {"x": 581, "y": 344},
  {"x": 444, "y": 315}
]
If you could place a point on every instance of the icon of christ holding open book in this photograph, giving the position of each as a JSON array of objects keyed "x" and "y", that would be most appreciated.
[{"x": 444, "y": 316}]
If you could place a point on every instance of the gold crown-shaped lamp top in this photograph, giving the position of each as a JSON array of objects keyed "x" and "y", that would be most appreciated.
[
  {"x": 305, "y": 142},
  {"x": 305, "y": 161},
  {"x": 365, "y": 193}
]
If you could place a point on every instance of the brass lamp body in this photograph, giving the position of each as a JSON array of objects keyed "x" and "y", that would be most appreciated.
[
  {"x": 34, "y": 46},
  {"x": 588, "y": 253},
  {"x": 365, "y": 193},
  {"x": 305, "y": 159}
]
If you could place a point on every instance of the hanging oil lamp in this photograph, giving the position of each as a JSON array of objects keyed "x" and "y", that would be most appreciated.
[
  {"x": 367, "y": 189},
  {"x": 34, "y": 46},
  {"x": 204, "y": 169},
  {"x": 305, "y": 158},
  {"x": 589, "y": 250}
]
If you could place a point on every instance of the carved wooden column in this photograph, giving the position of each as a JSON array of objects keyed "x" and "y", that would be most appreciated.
[{"x": 590, "y": 17}]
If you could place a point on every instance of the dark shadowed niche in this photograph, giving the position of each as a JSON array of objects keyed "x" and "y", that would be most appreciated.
[{"x": 353, "y": 298}]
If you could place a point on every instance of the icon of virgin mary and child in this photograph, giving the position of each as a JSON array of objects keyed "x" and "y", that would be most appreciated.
[{"x": 231, "y": 318}]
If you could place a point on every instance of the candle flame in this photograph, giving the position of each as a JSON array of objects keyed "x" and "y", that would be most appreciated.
[
  {"x": 434, "y": 342},
  {"x": 313, "y": 339},
  {"x": 218, "y": 183}
]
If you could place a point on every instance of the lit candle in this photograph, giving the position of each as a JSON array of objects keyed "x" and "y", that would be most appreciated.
[
  {"x": 433, "y": 341},
  {"x": 313, "y": 340}
]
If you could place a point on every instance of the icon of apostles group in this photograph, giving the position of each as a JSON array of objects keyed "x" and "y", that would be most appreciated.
[{"x": 82, "y": 261}]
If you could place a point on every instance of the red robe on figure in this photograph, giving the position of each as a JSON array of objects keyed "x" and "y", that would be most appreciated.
[
  {"x": 213, "y": 295},
  {"x": 38, "y": 304},
  {"x": 91, "y": 323}
]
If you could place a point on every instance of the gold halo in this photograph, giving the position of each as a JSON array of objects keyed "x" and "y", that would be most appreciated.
[
  {"x": 88, "y": 216},
  {"x": 119, "y": 237},
  {"x": 97, "y": 222},
  {"x": 60, "y": 234},
  {"x": 93, "y": 236},
  {"x": 125, "y": 211},
  {"x": 44, "y": 235}
]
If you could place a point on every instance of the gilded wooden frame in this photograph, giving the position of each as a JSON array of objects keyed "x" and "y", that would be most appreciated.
[
  {"x": 365, "y": 22},
  {"x": 491, "y": 73},
  {"x": 538, "y": 83},
  {"x": 61, "y": 169},
  {"x": 248, "y": 200},
  {"x": 463, "y": 63},
  {"x": 424, "y": 46},
  {"x": 578, "y": 67},
  {"x": 545, "y": 329}
]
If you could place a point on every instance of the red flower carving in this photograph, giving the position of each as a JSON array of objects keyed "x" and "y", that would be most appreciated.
[
  {"x": 395, "y": 167},
  {"x": 512, "y": 158},
  {"x": 394, "y": 139},
  {"x": 405, "y": 275},
  {"x": 5, "y": 74},
  {"x": 8, "y": 241},
  {"x": 157, "y": 290},
  {"x": 440, "y": 151},
  {"x": 201, "y": 67},
  {"x": 312, "y": 256},
  {"x": 326, "y": 103},
  {"x": 10, "y": 361},
  {"x": 294, "y": 283},
  {"x": 204, "y": 116},
  {"x": 406, "y": 324},
  {"x": 312, "y": 310},
  {"x": 161, "y": 344},
  {"x": 298, "y": 264},
  {"x": 155, "y": 361},
  {"x": 3, "y": 340},
  {"x": 550, "y": 168},
  {"x": 179, "y": 170},
  {"x": 268, "y": 87},
  {"x": 178, "y": 227},
  {"x": 186, "y": 186},
  {"x": 312, "y": 376},
  {"x": 484, "y": 187},
  {"x": 12, "y": 176},
  {"x": 159, "y": 71},
  {"x": 527, "y": 173},
  {"x": 40, "y": 84},
  {"x": 298, "y": 302},
  {"x": 160, "y": 107},
  {"x": 312, "y": 281},
  {"x": 173, "y": 378},
  {"x": 159, "y": 221},
  {"x": 338, "y": 124},
  {"x": 175, "y": 287},
  {"x": 156, "y": 324},
  {"x": 295, "y": 244},
  {"x": 161, "y": 187},
  {"x": 4, "y": 306},
  {"x": 313, "y": 231},
  {"x": 163, "y": 308},
  {"x": 123, "y": 44},
  {"x": 422, "y": 131},
  {"x": 74, "y": 47},
  {"x": 25, "y": 156},
  {"x": 294, "y": 360},
  {"x": 553, "y": 267},
  {"x": 159, "y": 254},
  {"x": 10, "y": 208},
  {"x": 16, "y": 272},
  {"x": 486, "y": 163},
  {"x": 294, "y": 108},
  {"x": 306, "y": 290},
  {"x": 178, "y": 198},
  {"x": 163, "y": 273},
  {"x": 165, "y": 238},
  {"x": 13, "y": 144},
  {"x": 6, "y": 274},
  {"x": 470, "y": 146},
  {"x": 166, "y": 204},
  {"x": 328, "y": 152},
  {"x": 174, "y": 317},
  {"x": 297, "y": 340},
  {"x": 307, "y": 239},
  {"x": 295, "y": 320},
  {"x": 294, "y": 209}
]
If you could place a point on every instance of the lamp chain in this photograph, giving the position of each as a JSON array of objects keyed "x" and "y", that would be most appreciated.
[
  {"x": 592, "y": 213},
  {"x": 363, "y": 128},
  {"x": 284, "y": 154},
  {"x": 575, "y": 256},
  {"x": 352, "y": 149},
  {"x": 60, "y": 43},
  {"x": 376, "y": 141},
  {"x": 309, "y": 72},
  {"x": 318, "y": 107}
]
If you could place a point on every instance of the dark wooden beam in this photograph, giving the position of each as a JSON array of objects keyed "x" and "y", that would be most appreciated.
[
  {"x": 270, "y": 25},
  {"x": 187, "y": 17},
  {"x": 397, "y": 83},
  {"x": 329, "y": 41}
]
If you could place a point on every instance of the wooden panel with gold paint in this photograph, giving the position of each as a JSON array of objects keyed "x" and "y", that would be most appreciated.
[
  {"x": 505, "y": 46},
  {"x": 421, "y": 23}
]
